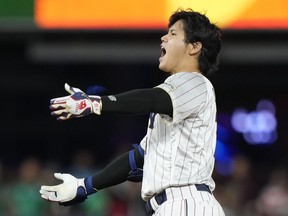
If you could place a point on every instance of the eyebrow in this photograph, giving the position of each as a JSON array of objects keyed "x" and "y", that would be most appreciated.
[{"x": 172, "y": 30}]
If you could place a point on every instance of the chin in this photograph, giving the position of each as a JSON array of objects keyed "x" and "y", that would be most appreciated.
[
  {"x": 162, "y": 67},
  {"x": 165, "y": 70}
]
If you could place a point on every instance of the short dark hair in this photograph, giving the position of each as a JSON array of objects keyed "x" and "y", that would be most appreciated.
[{"x": 198, "y": 28}]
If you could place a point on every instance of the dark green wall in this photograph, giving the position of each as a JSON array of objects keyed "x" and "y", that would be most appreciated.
[{"x": 16, "y": 8}]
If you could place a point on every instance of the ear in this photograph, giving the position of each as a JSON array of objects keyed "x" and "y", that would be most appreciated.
[{"x": 194, "y": 48}]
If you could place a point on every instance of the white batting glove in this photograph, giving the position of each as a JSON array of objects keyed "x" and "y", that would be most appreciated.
[
  {"x": 72, "y": 191},
  {"x": 76, "y": 105}
]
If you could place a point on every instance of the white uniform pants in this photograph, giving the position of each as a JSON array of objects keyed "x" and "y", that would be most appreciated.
[{"x": 188, "y": 201}]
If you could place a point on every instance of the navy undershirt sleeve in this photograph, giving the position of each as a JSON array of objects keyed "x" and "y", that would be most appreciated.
[
  {"x": 116, "y": 172},
  {"x": 140, "y": 101}
]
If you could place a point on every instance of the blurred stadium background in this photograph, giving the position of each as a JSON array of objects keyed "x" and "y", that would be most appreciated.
[{"x": 111, "y": 47}]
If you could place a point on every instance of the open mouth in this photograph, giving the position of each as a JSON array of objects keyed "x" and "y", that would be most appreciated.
[{"x": 163, "y": 51}]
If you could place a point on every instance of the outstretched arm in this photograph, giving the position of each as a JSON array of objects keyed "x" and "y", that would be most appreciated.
[
  {"x": 140, "y": 101},
  {"x": 73, "y": 190}
]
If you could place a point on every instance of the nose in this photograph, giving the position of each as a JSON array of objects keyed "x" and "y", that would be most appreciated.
[{"x": 163, "y": 38}]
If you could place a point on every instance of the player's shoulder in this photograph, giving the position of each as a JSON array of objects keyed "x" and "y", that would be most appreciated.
[
  {"x": 186, "y": 77},
  {"x": 185, "y": 80}
]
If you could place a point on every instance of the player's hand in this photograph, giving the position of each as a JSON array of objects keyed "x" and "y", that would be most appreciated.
[
  {"x": 76, "y": 105},
  {"x": 72, "y": 191}
]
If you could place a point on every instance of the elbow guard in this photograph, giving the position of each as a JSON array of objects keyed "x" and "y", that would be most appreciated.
[{"x": 136, "y": 173}]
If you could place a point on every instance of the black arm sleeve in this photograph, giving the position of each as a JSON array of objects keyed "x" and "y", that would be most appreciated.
[
  {"x": 116, "y": 172},
  {"x": 140, "y": 101}
]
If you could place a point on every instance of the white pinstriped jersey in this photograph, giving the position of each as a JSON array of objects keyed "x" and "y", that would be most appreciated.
[{"x": 179, "y": 151}]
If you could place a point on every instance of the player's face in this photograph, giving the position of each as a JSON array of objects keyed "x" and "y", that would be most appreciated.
[{"x": 174, "y": 49}]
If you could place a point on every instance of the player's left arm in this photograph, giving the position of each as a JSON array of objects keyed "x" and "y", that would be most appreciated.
[
  {"x": 139, "y": 101},
  {"x": 75, "y": 105}
]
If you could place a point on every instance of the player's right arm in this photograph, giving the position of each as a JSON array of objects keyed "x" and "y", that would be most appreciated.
[
  {"x": 139, "y": 101},
  {"x": 75, "y": 190}
]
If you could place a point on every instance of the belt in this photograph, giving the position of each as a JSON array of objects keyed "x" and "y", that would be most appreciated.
[{"x": 162, "y": 197}]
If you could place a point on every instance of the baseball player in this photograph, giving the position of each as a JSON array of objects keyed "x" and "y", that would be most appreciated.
[{"x": 175, "y": 159}]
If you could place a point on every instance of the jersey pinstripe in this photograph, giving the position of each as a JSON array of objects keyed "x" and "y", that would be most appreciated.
[{"x": 179, "y": 151}]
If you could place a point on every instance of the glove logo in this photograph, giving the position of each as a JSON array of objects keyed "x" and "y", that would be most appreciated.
[{"x": 81, "y": 105}]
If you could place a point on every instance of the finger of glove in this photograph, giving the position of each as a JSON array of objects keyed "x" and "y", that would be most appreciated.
[
  {"x": 71, "y": 90},
  {"x": 66, "y": 177},
  {"x": 66, "y": 117},
  {"x": 59, "y": 100},
  {"x": 58, "y": 106},
  {"x": 60, "y": 112},
  {"x": 63, "y": 116},
  {"x": 49, "y": 193},
  {"x": 59, "y": 176}
]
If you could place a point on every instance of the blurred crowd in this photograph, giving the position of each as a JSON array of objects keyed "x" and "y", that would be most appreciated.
[{"x": 242, "y": 193}]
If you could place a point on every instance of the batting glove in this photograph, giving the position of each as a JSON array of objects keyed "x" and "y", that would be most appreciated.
[
  {"x": 76, "y": 105},
  {"x": 71, "y": 192}
]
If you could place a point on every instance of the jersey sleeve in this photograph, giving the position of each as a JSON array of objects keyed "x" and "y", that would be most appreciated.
[{"x": 188, "y": 92}]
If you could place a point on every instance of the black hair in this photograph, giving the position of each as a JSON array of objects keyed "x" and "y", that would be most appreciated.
[{"x": 198, "y": 28}]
